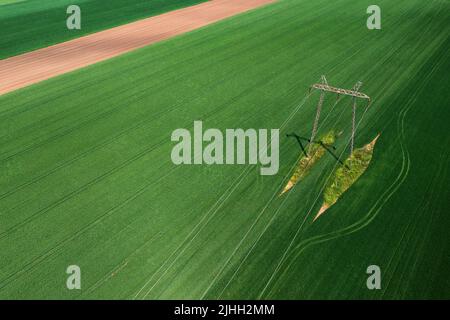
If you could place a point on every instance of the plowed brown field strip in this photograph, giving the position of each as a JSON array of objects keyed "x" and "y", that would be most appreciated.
[{"x": 26, "y": 69}]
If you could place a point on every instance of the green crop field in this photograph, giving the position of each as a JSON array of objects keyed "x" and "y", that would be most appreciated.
[
  {"x": 87, "y": 179},
  {"x": 32, "y": 24}
]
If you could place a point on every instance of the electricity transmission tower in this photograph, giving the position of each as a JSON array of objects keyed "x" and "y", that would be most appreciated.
[{"x": 354, "y": 93}]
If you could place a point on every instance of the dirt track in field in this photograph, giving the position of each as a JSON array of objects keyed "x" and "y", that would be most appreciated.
[{"x": 32, "y": 67}]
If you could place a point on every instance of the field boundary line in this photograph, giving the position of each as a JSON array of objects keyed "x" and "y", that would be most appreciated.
[{"x": 33, "y": 67}]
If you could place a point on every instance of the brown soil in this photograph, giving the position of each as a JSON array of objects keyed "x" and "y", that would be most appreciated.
[
  {"x": 26, "y": 69},
  {"x": 321, "y": 211}
]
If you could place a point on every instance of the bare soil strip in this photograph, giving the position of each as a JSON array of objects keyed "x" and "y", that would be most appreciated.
[{"x": 32, "y": 67}]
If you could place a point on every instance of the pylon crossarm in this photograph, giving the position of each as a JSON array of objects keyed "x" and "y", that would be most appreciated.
[{"x": 353, "y": 93}]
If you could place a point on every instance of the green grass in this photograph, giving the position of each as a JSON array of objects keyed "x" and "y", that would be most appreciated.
[
  {"x": 305, "y": 163},
  {"x": 86, "y": 176},
  {"x": 33, "y": 24},
  {"x": 5, "y": 2},
  {"x": 348, "y": 173}
]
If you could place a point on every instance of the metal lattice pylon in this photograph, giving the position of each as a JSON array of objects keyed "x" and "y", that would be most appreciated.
[
  {"x": 356, "y": 87},
  {"x": 319, "y": 110},
  {"x": 354, "y": 93}
]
